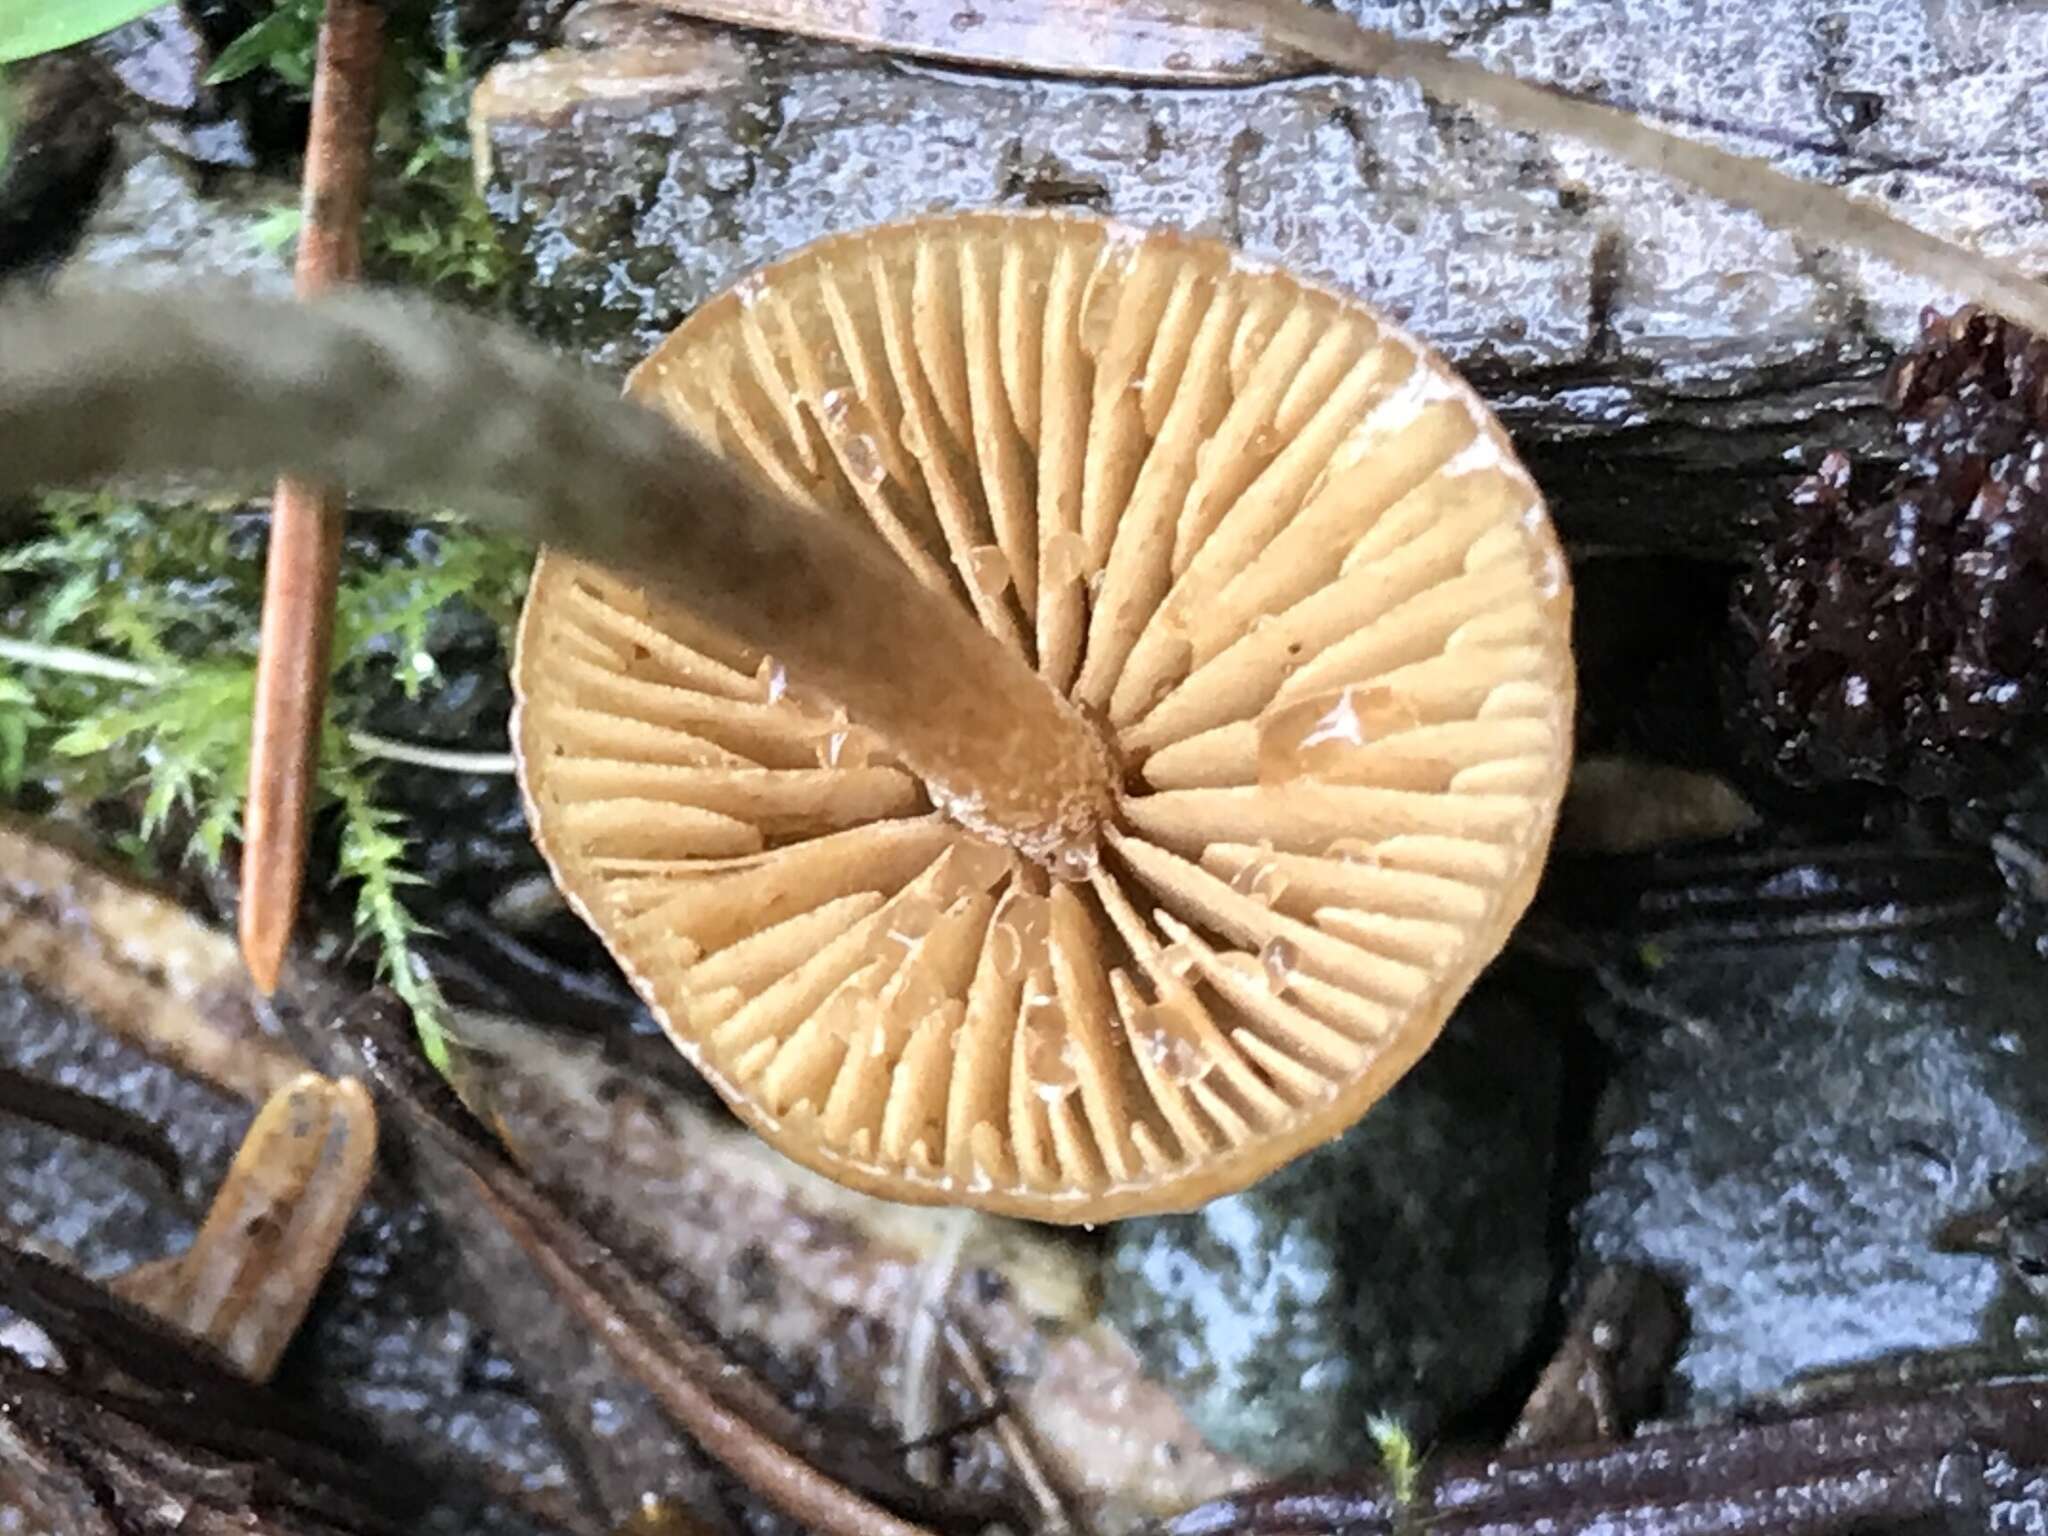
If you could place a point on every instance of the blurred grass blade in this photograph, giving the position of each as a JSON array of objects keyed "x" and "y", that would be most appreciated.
[{"x": 30, "y": 27}]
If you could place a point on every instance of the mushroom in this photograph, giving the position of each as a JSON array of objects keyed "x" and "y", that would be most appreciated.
[{"x": 1283, "y": 569}]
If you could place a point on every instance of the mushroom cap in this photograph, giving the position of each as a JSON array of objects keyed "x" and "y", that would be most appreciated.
[{"x": 1272, "y": 546}]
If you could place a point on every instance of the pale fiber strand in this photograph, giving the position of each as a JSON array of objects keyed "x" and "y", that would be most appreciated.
[{"x": 78, "y": 663}]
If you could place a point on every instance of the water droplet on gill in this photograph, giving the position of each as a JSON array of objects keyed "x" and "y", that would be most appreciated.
[
  {"x": 1260, "y": 878},
  {"x": 1319, "y": 736},
  {"x": 773, "y": 680},
  {"x": 1178, "y": 960},
  {"x": 989, "y": 569},
  {"x": 1264, "y": 440},
  {"x": 1098, "y": 314},
  {"x": 1279, "y": 961},
  {"x": 1020, "y": 933},
  {"x": 1169, "y": 1032},
  {"x": 1076, "y": 862},
  {"x": 851, "y": 428},
  {"x": 1064, "y": 559},
  {"x": 863, "y": 459},
  {"x": 1050, "y": 1057},
  {"x": 750, "y": 290},
  {"x": 972, "y": 867},
  {"x": 911, "y": 920},
  {"x": 845, "y": 746},
  {"x": 1175, "y": 659},
  {"x": 912, "y": 998},
  {"x": 1354, "y": 850},
  {"x": 847, "y": 1012}
]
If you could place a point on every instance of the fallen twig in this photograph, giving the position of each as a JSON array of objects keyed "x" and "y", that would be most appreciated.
[
  {"x": 80, "y": 1114},
  {"x": 1970, "y": 1458},
  {"x": 1055, "y": 1511},
  {"x": 717, "y": 1401}
]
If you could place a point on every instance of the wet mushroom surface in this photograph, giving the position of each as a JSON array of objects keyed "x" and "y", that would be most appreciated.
[{"x": 1278, "y": 555}]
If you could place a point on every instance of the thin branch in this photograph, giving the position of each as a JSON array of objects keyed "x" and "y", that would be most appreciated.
[
  {"x": 1055, "y": 1516},
  {"x": 701, "y": 1390}
]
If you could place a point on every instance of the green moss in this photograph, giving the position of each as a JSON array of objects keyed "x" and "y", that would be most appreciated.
[
  {"x": 427, "y": 226},
  {"x": 127, "y": 665}
]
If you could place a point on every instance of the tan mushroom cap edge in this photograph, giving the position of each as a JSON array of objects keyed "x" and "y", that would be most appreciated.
[{"x": 1272, "y": 546}]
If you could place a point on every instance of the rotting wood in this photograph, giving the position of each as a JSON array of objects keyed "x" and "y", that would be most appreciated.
[
  {"x": 252, "y": 1271},
  {"x": 1958, "y": 1458},
  {"x": 1813, "y": 209},
  {"x": 623, "y": 1312},
  {"x": 1134, "y": 40},
  {"x": 140, "y": 964}
]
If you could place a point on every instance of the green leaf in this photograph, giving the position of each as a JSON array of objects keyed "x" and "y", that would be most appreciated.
[
  {"x": 282, "y": 42},
  {"x": 277, "y": 228},
  {"x": 19, "y": 717},
  {"x": 30, "y": 27}
]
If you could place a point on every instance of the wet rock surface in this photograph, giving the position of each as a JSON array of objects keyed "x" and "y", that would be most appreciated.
[
  {"x": 648, "y": 163},
  {"x": 162, "y": 222},
  {"x": 1787, "y": 1143},
  {"x": 111, "y": 1211},
  {"x": 160, "y": 62},
  {"x": 390, "y": 1339},
  {"x": 1401, "y": 1270}
]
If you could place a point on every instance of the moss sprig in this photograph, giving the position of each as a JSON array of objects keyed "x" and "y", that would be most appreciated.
[{"x": 127, "y": 668}]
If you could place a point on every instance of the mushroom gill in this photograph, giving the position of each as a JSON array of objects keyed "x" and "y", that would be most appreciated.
[{"x": 1272, "y": 551}]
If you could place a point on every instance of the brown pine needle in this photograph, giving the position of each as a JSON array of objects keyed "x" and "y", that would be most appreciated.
[{"x": 296, "y": 645}]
